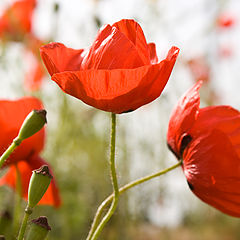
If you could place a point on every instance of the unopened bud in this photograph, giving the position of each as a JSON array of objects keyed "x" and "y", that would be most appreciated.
[
  {"x": 34, "y": 121},
  {"x": 38, "y": 185},
  {"x": 39, "y": 229}
]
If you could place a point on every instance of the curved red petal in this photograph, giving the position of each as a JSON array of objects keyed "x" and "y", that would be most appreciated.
[
  {"x": 223, "y": 118},
  {"x": 119, "y": 90},
  {"x": 12, "y": 115},
  {"x": 58, "y": 58},
  {"x": 112, "y": 50},
  {"x": 183, "y": 117},
  {"x": 152, "y": 53},
  {"x": 133, "y": 31},
  {"x": 212, "y": 167}
]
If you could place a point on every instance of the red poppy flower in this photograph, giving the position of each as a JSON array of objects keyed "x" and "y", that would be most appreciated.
[
  {"x": 208, "y": 141},
  {"x": 119, "y": 73},
  {"x": 12, "y": 114},
  {"x": 17, "y": 19}
]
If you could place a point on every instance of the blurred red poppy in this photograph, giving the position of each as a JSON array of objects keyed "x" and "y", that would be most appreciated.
[
  {"x": 208, "y": 141},
  {"x": 35, "y": 70},
  {"x": 226, "y": 20},
  {"x": 26, "y": 156},
  {"x": 17, "y": 19},
  {"x": 119, "y": 73},
  {"x": 199, "y": 68}
]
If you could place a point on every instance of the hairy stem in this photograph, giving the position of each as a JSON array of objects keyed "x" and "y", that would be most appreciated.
[
  {"x": 93, "y": 235},
  {"x": 130, "y": 185}
]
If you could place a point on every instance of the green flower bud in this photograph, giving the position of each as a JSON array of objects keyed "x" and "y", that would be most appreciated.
[
  {"x": 39, "y": 229},
  {"x": 38, "y": 185},
  {"x": 34, "y": 121}
]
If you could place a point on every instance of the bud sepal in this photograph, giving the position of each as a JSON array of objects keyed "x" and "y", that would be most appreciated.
[{"x": 33, "y": 123}]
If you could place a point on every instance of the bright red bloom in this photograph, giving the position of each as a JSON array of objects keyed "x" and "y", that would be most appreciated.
[
  {"x": 208, "y": 141},
  {"x": 119, "y": 73},
  {"x": 12, "y": 115},
  {"x": 17, "y": 19}
]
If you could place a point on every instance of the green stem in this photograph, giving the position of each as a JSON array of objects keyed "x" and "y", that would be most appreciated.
[
  {"x": 22, "y": 230},
  {"x": 113, "y": 207},
  {"x": 16, "y": 142},
  {"x": 18, "y": 199},
  {"x": 109, "y": 199}
]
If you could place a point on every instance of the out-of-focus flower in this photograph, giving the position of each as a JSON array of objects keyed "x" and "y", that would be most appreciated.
[
  {"x": 17, "y": 19},
  {"x": 199, "y": 69},
  {"x": 225, "y": 51},
  {"x": 26, "y": 156},
  {"x": 208, "y": 141},
  {"x": 226, "y": 20},
  {"x": 15, "y": 25},
  {"x": 119, "y": 73},
  {"x": 34, "y": 75},
  {"x": 35, "y": 70}
]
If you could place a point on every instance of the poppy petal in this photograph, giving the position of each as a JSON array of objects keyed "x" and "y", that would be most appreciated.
[
  {"x": 183, "y": 117},
  {"x": 119, "y": 90},
  {"x": 152, "y": 53},
  {"x": 133, "y": 31},
  {"x": 57, "y": 58},
  {"x": 223, "y": 118},
  {"x": 214, "y": 173},
  {"x": 10, "y": 123},
  {"x": 51, "y": 197},
  {"x": 111, "y": 50}
]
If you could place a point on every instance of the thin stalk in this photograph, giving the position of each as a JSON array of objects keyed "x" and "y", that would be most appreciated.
[
  {"x": 130, "y": 185},
  {"x": 16, "y": 142},
  {"x": 18, "y": 199},
  {"x": 22, "y": 230},
  {"x": 113, "y": 206}
]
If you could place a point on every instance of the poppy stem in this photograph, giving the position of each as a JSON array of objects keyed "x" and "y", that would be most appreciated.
[
  {"x": 22, "y": 230},
  {"x": 130, "y": 185},
  {"x": 111, "y": 210},
  {"x": 16, "y": 142},
  {"x": 18, "y": 200}
]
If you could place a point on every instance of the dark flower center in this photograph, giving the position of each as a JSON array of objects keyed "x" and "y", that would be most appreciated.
[{"x": 185, "y": 141}]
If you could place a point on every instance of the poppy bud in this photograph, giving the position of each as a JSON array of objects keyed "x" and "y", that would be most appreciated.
[
  {"x": 39, "y": 229},
  {"x": 32, "y": 124},
  {"x": 38, "y": 185}
]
